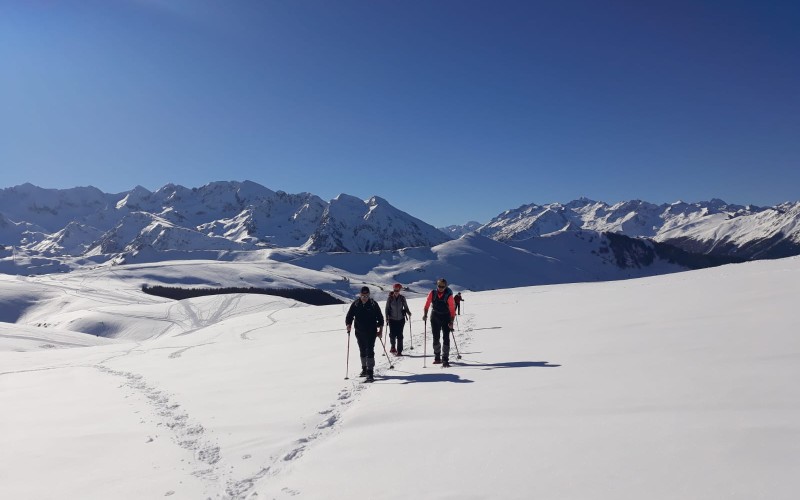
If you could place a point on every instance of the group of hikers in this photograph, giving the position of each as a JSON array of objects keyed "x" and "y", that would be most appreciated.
[{"x": 369, "y": 323}]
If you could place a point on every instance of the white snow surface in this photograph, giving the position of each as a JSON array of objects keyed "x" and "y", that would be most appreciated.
[{"x": 681, "y": 386}]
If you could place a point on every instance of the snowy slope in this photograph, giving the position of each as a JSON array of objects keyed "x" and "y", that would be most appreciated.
[
  {"x": 350, "y": 224},
  {"x": 714, "y": 227},
  {"x": 771, "y": 233},
  {"x": 176, "y": 222},
  {"x": 218, "y": 216},
  {"x": 12, "y": 233},
  {"x": 459, "y": 230},
  {"x": 74, "y": 239},
  {"x": 601, "y": 256},
  {"x": 677, "y": 386},
  {"x": 52, "y": 209},
  {"x": 21, "y": 338},
  {"x": 471, "y": 262}
]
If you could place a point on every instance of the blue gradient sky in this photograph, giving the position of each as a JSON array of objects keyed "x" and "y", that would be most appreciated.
[{"x": 450, "y": 109}]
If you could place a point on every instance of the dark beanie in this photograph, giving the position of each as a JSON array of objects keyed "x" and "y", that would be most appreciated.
[{"x": 364, "y": 289}]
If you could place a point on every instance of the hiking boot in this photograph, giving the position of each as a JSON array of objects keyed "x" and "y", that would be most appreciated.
[
  {"x": 370, "y": 377},
  {"x": 399, "y": 353},
  {"x": 363, "y": 372},
  {"x": 437, "y": 360},
  {"x": 393, "y": 350},
  {"x": 445, "y": 363}
]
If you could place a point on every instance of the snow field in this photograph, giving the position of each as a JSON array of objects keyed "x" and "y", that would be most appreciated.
[{"x": 678, "y": 386}]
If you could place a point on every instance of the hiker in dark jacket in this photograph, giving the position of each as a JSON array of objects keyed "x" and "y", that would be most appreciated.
[
  {"x": 458, "y": 299},
  {"x": 444, "y": 312},
  {"x": 396, "y": 313},
  {"x": 369, "y": 326}
]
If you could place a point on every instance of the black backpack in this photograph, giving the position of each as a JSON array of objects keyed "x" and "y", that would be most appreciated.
[{"x": 440, "y": 305}]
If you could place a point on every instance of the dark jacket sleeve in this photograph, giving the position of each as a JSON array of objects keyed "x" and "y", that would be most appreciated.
[
  {"x": 379, "y": 314},
  {"x": 348, "y": 320},
  {"x": 406, "y": 310}
]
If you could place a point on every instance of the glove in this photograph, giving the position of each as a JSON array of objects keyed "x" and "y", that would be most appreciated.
[
  {"x": 425, "y": 318},
  {"x": 348, "y": 329},
  {"x": 450, "y": 325},
  {"x": 380, "y": 333}
]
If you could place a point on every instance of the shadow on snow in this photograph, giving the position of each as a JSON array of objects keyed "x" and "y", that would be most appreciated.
[
  {"x": 413, "y": 378},
  {"x": 509, "y": 364},
  {"x": 427, "y": 377}
]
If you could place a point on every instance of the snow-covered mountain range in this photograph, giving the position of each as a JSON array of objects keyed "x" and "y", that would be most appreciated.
[
  {"x": 219, "y": 216},
  {"x": 457, "y": 231},
  {"x": 713, "y": 227},
  {"x": 50, "y": 230}
]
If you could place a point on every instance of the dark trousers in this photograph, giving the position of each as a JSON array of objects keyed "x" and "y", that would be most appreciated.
[
  {"x": 458, "y": 307},
  {"x": 439, "y": 326},
  {"x": 366, "y": 344},
  {"x": 396, "y": 327}
]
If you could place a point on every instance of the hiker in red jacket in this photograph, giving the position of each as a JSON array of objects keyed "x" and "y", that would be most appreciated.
[
  {"x": 444, "y": 312},
  {"x": 458, "y": 299}
]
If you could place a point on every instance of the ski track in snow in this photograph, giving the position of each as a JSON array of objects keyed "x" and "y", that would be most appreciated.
[
  {"x": 207, "y": 456},
  {"x": 227, "y": 303},
  {"x": 333, "y": 415},
  {"x": 190, "y": 435},
  {"x": 272, "y": 321},
  {"x": 179, "y": 352},
  {"x": 186, "y": 433}
]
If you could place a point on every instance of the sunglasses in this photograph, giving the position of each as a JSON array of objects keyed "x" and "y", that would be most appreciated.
[
  {"x": 365, "y": 294},
  {"x": 442, "y": 286}
]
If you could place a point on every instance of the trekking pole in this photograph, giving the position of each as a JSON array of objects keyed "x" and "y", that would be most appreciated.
[
  {"x": 457, "y": 325},
  {"x": 347, "y": 369},
  {"x": 458, "y": 353},
  {"x": 391, "y": 365},
  {"x": 410, "y": 336},
  {"x": 425, "y": 346}
]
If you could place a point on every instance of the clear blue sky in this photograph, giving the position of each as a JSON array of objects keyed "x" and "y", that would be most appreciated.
[{"x": 450, "y": 109}]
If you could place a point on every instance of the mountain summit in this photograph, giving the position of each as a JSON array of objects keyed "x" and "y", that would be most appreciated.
[
  {"x": 586, "y": 240},
  {"x": 714, "y": 227},
  {"x": 218, "y": 216}
]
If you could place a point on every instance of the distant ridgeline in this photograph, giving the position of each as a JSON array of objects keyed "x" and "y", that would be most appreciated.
[
  {"x": 636, "y": 252},
  {"x": 310, "y": 296}
]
